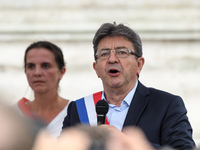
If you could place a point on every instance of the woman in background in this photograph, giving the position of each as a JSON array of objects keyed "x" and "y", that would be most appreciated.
[{"x": 44, "y": 66}]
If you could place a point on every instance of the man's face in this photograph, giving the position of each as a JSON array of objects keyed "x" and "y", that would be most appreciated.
[{"x": 117, "y": 72}]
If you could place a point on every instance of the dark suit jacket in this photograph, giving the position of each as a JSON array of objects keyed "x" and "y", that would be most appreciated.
[{"x": 161, "y": 116}]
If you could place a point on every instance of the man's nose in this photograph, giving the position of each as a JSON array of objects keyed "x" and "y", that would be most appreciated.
[{"x": 113, "y": 57}]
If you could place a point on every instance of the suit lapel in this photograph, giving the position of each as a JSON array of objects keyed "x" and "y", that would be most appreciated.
[{"x": 138, "y": 104}]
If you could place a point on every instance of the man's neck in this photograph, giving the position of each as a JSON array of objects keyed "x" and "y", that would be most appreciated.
[{"x": 116, "y": 95}]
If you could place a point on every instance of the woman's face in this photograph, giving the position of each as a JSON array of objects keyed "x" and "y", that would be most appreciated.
[{"x": 42, "y": 70}]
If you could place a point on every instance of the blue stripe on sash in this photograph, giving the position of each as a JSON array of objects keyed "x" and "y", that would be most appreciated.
[{"x": 82, "y": 111}]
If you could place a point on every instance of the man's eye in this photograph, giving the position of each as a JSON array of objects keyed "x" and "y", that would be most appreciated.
[
  {"x": 122, "y": 52},
  {"x": 103, "y": 54}
]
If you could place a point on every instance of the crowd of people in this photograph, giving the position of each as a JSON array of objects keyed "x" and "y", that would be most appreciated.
[{"x": 138, "y": 118}]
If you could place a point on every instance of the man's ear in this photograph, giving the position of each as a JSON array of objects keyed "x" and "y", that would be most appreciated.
[
  {"x": 140, "y": 63},
  {"x": 95, "y": 68}
]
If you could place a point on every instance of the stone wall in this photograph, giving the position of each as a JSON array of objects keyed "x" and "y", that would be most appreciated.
[{"x": 64, "y": 20}]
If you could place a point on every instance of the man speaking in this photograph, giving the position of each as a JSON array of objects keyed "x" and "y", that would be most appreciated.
[{"x": 118, "y": 63}]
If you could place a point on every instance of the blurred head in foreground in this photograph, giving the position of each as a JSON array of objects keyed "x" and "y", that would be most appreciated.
[
  {"x": 16, "y": 133},
  {"x": 94, "y": 138}
]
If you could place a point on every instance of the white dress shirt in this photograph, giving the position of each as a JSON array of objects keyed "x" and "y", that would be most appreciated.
[{"x": 116, "y": 115}]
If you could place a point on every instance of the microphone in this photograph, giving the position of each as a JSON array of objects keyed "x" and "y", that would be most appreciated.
[{"x": 101, "y": 110}]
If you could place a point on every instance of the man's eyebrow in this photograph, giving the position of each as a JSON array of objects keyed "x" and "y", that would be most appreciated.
[
  {"x": 120, "y": 47},
  {"x": 105, "y": 49},
  {"x": 115, "y": 48}
]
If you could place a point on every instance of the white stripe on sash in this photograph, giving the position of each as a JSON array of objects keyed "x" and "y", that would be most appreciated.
[{"x": 91, "y": 110}]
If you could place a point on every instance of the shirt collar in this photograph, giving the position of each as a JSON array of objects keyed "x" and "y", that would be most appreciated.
[{"x": 128, "y": 97}]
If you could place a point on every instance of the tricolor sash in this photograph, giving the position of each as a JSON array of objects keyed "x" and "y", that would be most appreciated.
[{"x": 86, "y": 109}]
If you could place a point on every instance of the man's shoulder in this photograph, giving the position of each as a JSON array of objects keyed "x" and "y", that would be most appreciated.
[
  {"x": 153, "y": 90},
  {"x": 158, "y": 94},
  {"x": 165, "y": 98}
]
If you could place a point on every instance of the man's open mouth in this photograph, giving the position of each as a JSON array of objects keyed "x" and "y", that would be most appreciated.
[{"x": 113, "y": 71}]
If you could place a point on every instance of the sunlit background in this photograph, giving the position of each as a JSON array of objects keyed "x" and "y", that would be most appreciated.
[{"x": 169, "y": 29}]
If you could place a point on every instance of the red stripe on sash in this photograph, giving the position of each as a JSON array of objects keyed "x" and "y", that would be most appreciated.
[{"x": 97, "y": 97}]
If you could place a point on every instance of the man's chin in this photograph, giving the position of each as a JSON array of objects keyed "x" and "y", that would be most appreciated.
[{"x": 115, "y": 84}]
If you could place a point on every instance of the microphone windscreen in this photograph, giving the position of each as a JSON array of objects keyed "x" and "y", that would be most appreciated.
[{"x": 102, "y": 107}]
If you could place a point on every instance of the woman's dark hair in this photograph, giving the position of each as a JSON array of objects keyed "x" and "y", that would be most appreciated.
[
  {"x": 109, "y": 29},
  {"x": 51, "y": 47}
]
